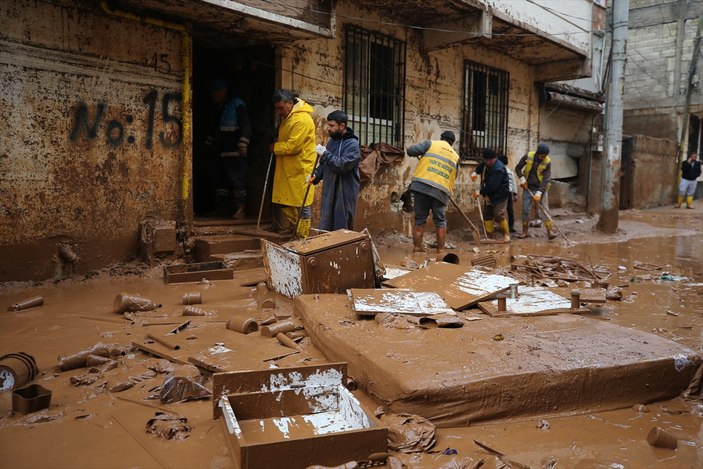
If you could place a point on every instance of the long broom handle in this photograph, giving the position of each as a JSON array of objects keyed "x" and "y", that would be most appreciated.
[
  {"x": 548, "y": 216},
  {"x": 263, "y": 195}
]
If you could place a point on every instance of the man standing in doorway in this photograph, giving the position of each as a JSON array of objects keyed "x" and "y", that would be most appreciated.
[
  {"x": 535, "y": 180},
  {"x": 295, "y": 160},
  {"x": 495, "y": 189},
  {"x": 432, "y": 185},
  {"x": 228, "y": 139},
  {"x": 690, "y": 172},
  {"x": 339, "y": 168}
]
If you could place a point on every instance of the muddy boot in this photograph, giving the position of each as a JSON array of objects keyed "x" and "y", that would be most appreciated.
[
  {"x": 441, "y": 237},
  {"x": 505, "y": 230},
  {"x": 489, "y": 228},
  {"x": 689, "y": 201},
  {"x": 239, "y": 199},
  {"x": 548, "y": 226},
  {"x": 679, "y": 202},
  {"x": 525, "y": 229},
  {"x": 418, "y": 232}
]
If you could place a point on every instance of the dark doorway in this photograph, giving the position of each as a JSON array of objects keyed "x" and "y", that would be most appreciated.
[
  {"x": 627, "y": 174},
  {"x": 249, "y": 74}
]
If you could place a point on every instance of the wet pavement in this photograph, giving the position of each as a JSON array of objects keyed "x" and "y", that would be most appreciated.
[{"x": 656, "y": 258}]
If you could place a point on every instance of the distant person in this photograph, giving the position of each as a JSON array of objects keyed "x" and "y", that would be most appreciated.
[
  {"x": 690, "y": 172},
  {"x": 339, "y": 169},
  {"x": 495, "y": 189},
  {"x": 295, "y": 160},
  {"x": 228, "y": 140},
  {"x": 535, "y": 172},
  {"x": 432, "y": 185}
]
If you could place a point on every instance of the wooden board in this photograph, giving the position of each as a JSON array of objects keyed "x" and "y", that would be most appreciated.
[
  {"x": 459, "y": 286},
  {"x": 369, "y": 302},
  {"x": 531, "y": 301}
]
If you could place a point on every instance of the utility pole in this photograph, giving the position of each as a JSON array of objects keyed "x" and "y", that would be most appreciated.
[
  {"x": 610, "y": 199},
  {"x": 689, "y": 91}
]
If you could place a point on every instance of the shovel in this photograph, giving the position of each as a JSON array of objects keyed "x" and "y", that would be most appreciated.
[
  {"x": 546, "y": 213},
  {"x": 474, "y": 231}
]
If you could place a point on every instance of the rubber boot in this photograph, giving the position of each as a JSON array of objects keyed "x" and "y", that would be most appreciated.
[
  {"x": 679, "y": 202},
  {"x": 689, "y": 201},
  {"x": 548, "y": 226},
  {"x": 525, "y": 229},
  {"x": 489, "y": 228},
  {"x": 239, "y": 199},
  {"x": 418, "y": 232},
  {"x": 303, "y": 228},
  {"x": 505, "y": 228},
  {"x": 441, "y": 237}
]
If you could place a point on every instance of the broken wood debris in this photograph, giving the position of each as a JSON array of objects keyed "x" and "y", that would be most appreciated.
[{"x": 559, "y": 268}]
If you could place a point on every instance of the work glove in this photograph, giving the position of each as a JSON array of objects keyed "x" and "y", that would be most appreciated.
[
  {"x": 523, "y": 182},
  {"x": 474, "y": 176},
  {"x": 310, "y": 179},
  {"x": 476, "y": 194},
  {"x": 320, "y": 149},
  {"x": 537, "y": 197}
]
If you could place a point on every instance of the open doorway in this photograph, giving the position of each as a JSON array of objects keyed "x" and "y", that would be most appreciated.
[{"x": 249, "y": 74}]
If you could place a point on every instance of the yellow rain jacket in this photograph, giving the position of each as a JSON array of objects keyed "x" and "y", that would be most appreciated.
[{"x": 295, "y": 157}]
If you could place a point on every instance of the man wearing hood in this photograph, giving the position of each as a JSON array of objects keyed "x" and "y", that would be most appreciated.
[
  {"x": 295, "y": 160},
  {"x": 339, "y": 168}
]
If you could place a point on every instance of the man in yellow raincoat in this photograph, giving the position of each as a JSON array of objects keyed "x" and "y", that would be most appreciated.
[{"x": 295, "y": 159}]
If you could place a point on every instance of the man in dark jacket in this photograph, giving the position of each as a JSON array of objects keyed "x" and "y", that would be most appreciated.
[
  {"x": 495, "y": 189},
  {"x": 339, "y": 168},
  {"x": 690, "y": 172}
]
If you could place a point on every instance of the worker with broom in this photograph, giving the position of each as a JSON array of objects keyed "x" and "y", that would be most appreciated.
[
  {"x": 535, "y": 173},
  {"x": 295, "y": 161},
  {"x": 495, "y": 189}
]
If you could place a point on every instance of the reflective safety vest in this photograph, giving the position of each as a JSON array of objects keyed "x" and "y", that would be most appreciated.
[
  {"x": 437, "y": 167},
  {"x": 540, "y": 168}
]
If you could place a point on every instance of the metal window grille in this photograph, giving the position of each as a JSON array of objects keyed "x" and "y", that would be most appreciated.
[
  {"x": 374, "y": 86},
  {"x": 485, "y": 110}
]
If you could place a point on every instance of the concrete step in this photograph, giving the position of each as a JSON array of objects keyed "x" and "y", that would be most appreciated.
[{"x": 213, "y": 247}]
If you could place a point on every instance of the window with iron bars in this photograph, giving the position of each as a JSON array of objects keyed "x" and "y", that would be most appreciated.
[
  {"x": 374, "y": 86},
  {"x": 484, "y": 110}
]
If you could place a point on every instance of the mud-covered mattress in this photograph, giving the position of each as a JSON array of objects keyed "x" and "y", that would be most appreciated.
[{"x": 497, "y": 368}]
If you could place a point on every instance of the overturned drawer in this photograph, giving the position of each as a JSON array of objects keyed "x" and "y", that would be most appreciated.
[
  {"x": 215, "y": 270},
  {"x": 294, "y": 417}
]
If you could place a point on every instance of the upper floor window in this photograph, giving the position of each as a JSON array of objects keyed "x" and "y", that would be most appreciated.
[
  {"x": 485, "y": 110},
  {"x": 374, "y": 86}
]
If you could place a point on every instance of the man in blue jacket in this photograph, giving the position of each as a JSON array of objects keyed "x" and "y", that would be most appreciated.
[
  {"x": 339, "y": 168},
  {"x": 495, "y": 189}
]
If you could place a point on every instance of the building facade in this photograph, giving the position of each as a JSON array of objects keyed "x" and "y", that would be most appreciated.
[{"x": 104, "y": 103}]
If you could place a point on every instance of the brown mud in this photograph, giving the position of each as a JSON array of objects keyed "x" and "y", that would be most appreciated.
[{"x": 656, "y": 257}]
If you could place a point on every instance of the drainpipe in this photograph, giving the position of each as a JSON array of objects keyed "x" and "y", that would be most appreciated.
[{"x": 187, "y": 116}]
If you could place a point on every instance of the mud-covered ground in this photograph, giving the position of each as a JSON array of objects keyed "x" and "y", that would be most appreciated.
[{"x": 100, "y": 419}]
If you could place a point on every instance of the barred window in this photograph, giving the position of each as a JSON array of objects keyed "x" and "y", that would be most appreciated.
[
  {"x": 374, "y": 86},
  {"x": 485, "y": 110}
]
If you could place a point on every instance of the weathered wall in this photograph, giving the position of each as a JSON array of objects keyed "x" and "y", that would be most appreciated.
[
  {"x": 654, "y": 178},
  {"x": 659, "y": 52},
  {"x": 91, "y": 124},
  {"x": 433, "y": 104}
]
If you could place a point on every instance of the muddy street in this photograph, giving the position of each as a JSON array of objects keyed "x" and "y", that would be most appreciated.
[{"x": 120, "y": 412}]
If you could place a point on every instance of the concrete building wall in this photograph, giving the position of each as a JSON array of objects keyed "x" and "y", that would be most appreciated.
[
  {"x": 91, "y": 133},
  {"x": 314, "y": 68},
  {"x": 659, "y": 53},
  {"x": 92, "y": 118}
]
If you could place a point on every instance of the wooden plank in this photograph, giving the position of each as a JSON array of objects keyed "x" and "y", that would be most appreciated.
[
  {"x": 369, "y": 302},
  {"x": 286, "y": 403},
  {"x": 459, "y": 286},
  {"x": 531, "y": 301}
]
